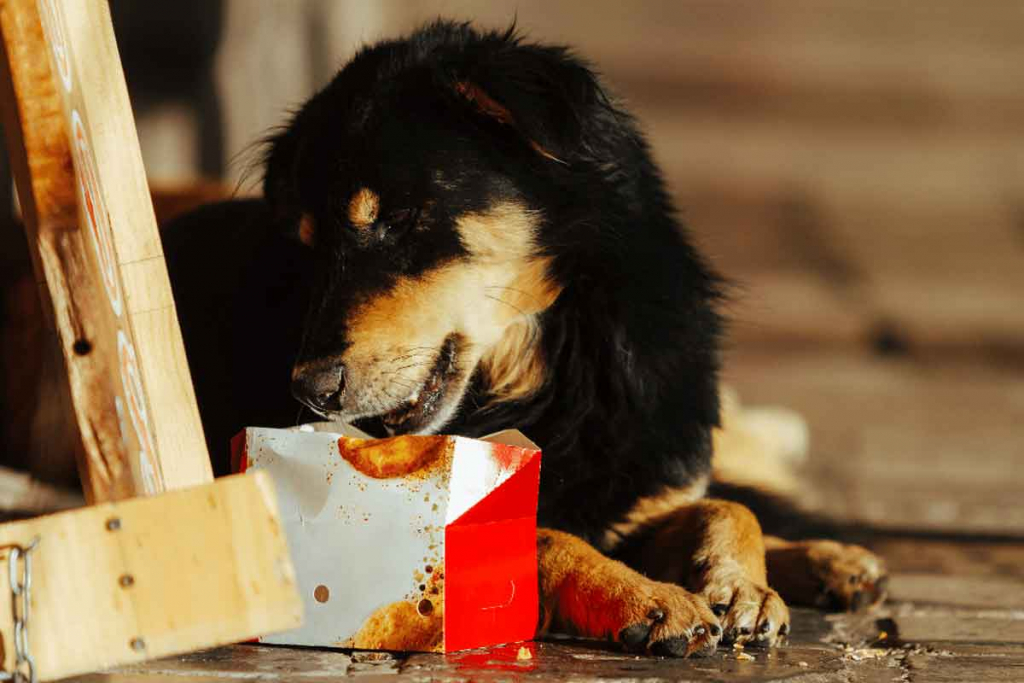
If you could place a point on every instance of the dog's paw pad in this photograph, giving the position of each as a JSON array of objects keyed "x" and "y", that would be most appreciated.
[
  {"x": 671, "y": 647},
  {"x": 636, "y": 635}
]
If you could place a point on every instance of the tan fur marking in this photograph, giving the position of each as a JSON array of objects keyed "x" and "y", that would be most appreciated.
[
  {"x": 363, "y": 208},
  {"x": 504, "y": 234},
  {"x": 515, "y": 367},
  {"x": 500, "y": 285},
  {"x": 307, "y": 230},
  {"x": 652, "y": 508},
  {"x": 715, "y": 548},
  {"x": 709, "y": 532},
  {"x": 823, "y": 573},
  {"x": 587, "y": 593}
]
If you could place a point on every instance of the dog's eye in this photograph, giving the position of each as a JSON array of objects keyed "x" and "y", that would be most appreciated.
[{"x": 395, "y": 225}]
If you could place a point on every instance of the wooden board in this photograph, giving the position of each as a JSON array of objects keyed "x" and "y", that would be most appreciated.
[
  {"x": 119, "y": 583},
  {"x": 90, "y": 222}
]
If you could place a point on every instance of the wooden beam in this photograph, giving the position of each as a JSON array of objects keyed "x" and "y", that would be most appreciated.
[
  {"x": 119, "y": 583},
  {"x": 82, "y": 186}
]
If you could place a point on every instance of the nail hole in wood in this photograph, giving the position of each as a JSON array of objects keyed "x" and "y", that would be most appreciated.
[
  {"x": 113, "y": 524},
  {"x": 81, "y": 347}
]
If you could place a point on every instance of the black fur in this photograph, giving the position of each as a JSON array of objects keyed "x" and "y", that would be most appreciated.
[{"x": 631, "y": 344}]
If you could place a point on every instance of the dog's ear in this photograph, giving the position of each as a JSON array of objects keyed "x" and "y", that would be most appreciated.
[
  {"x": 488, "y": 106},
  {"x": 540, "y": 92}
]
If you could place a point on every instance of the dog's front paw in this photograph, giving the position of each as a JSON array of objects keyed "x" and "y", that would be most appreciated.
[
  {"x": 828, "y": 574},
  {"x": 750, "y": 613},
  {"x": 586, "y": 593},
  {"x": 665, "y": 619}
]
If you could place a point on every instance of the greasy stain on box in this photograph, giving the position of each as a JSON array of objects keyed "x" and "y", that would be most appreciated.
[{"x": 411, "y": 458}]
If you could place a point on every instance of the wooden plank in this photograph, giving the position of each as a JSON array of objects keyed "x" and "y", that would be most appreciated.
[
  {"x": 119, "y": 583},
  {"x": 88, "y": 214},
  {"x": 820, "y": 267},
  {"x": 939, "y": 47},
  {"x": 899, "y": 443},
  {"x": 40, "y": 156}
]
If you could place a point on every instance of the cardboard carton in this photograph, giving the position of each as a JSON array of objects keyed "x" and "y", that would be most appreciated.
[{"x": 408, "y": 543}]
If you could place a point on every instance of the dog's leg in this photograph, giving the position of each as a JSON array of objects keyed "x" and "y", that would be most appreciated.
[
  {"x": 715, "y": 548},
  {"x": 586, "y": 593},
  {"x": 821, "y": 573}
]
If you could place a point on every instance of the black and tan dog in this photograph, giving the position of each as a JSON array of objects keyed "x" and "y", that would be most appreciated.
[{"x": 463, "y": 232}]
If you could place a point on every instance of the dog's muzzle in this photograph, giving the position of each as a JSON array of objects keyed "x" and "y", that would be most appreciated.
[{"x": 319, "y": 386}]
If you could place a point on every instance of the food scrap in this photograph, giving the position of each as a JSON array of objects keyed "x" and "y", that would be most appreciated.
[{"x": 524, "y": 653}]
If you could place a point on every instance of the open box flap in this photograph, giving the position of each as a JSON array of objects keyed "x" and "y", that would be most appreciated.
[
  {"x": 507, "y": 437},
  {"x": 511, "y": 437},
  {"x": 514, "y": 497},
  {"x": 339, "y": 428}
]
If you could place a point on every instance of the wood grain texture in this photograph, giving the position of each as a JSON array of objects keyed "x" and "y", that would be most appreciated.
[
  {"x": 90, "y": 221},
  {"x": 205, "y": 566}
]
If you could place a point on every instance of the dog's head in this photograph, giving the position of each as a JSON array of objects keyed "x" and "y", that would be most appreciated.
[{"x": 421, "y": 180}]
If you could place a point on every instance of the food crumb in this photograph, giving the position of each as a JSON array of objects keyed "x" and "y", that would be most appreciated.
[
  {"x": 737, "y": 646},
  {"x": 524, "y": 653},
  {"x": 744, "y": 657},
  {"x": 802, "y": 664}
]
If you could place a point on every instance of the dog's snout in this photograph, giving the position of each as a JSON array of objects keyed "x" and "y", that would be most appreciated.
[{"x": 319, "y": 387}]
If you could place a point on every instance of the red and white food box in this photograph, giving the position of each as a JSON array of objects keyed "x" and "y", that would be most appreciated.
[{"x": 409, "y": 543}]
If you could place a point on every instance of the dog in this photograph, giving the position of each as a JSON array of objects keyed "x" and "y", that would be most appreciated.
[{"x": 464, "y": 232}]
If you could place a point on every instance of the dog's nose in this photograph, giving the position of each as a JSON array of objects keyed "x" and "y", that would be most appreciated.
[{"x": 320, "y": 388}]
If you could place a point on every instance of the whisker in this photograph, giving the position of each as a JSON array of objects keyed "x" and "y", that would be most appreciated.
[
  {"x": 502, "y": 301},
  {"x": 523, "y": 292}
]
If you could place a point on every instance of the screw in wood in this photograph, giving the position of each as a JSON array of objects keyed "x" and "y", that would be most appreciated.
[
  {"x": 114, "y": 524},
  {"x": 138, "y": 644},
  {"x": 126, "y": 580}
]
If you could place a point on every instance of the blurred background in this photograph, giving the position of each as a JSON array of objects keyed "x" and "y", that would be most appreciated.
[{"x": 856, "y": 168}]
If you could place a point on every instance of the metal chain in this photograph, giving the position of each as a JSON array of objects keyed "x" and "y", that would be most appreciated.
[{"x": 19, "y": 566}]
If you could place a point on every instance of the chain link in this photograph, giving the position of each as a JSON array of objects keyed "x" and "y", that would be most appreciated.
[{"x": 19, "y": 568}]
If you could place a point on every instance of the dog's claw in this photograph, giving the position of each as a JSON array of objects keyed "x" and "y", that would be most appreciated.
[{"x": 750, "y": 612}]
